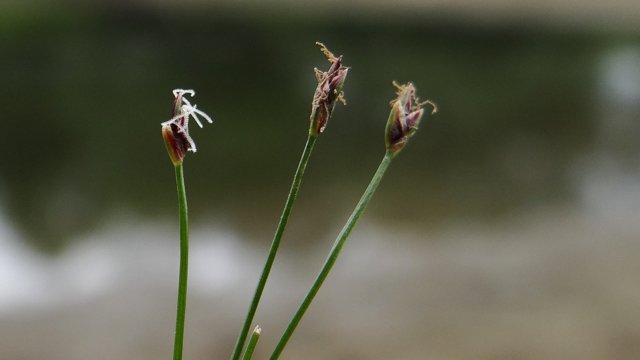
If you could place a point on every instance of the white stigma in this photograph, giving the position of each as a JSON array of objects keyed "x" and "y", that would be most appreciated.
[{"x": 187, "y": 110}]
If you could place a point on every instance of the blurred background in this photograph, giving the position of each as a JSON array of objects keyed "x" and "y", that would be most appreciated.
[{"x": 507, "y": 229}]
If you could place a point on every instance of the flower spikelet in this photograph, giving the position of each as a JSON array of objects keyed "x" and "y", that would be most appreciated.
[
  {"x": 175, "y": 131},
  {"x": 404, "y": 118},
  {"x": 329, "y": 90}
]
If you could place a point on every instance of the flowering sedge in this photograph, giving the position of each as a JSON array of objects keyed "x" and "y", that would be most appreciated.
[
  {"x": 176, "y": 130},
  {"x": 329, "y": 90},
  {"x": 405, "y": 115}
]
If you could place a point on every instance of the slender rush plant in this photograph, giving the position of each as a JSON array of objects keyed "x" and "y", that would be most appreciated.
[
  {"x": 328, "y": 91},
  {"x": 177, "y": 140},
  {"x": 402, "y": 123}
]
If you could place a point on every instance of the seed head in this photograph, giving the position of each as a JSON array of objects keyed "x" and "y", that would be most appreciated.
[
  {"x": 176, "y": 130},
  {"x": 329, "y": 90},
  {"x": 405, "y": 115}
]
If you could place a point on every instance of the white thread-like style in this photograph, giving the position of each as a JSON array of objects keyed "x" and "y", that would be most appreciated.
[{"x": 187, "y": 110}]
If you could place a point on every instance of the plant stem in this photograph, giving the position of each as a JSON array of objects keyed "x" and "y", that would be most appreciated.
[
  {"x": 333, "y": 255},
  {"x": 242, "y": 337},
  {"x": 184, "y": 264},
  {"x": 252, "y": 344}
]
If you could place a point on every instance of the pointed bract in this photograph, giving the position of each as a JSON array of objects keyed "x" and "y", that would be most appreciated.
[{"x": 176, "y": 143}]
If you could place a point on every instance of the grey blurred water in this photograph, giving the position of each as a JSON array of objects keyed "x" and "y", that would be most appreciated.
[
  {"x": 507, "y": 229},
  {"x": 554, "y": 284}
]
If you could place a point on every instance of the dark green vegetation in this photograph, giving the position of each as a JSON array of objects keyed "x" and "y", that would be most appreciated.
[{"x": 83, "y": 95}]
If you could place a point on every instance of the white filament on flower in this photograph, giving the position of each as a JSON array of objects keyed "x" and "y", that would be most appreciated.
[
  {"x": 177, "y": 92},
  {"x": 187, "y": 110}
]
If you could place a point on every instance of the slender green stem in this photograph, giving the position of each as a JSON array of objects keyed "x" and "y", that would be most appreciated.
[
  {"x": 252, "y": 344},
  {"x": 184, "y": 264},
  {"x": 242, "y": 337},
  {"x": 333, "y": 255}
]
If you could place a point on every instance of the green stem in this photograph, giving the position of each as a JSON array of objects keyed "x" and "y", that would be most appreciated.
[
  {"x": 252, "y": 344},
  {"x": 184, "y": 264},
  {"x": 242, "y": 337},
  {"x": 333, "y": 255}
]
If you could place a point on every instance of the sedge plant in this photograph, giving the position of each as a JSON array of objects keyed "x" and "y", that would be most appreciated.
[
  {"x": 403, "y": 121},
  {"x": 328, "y": 92},
  {"x": 177, "y": 140}
]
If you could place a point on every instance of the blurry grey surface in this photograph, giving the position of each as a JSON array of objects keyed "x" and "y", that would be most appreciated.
[{"x": 545, "y": 285}]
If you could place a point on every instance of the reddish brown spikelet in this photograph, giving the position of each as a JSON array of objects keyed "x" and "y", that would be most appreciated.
[
  {"x": 404, "y": 118},
  {"x": 329, "y": 90}
]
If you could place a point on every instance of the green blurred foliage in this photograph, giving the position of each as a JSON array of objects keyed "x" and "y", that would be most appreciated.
[{"x": 84, "y": 92}]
